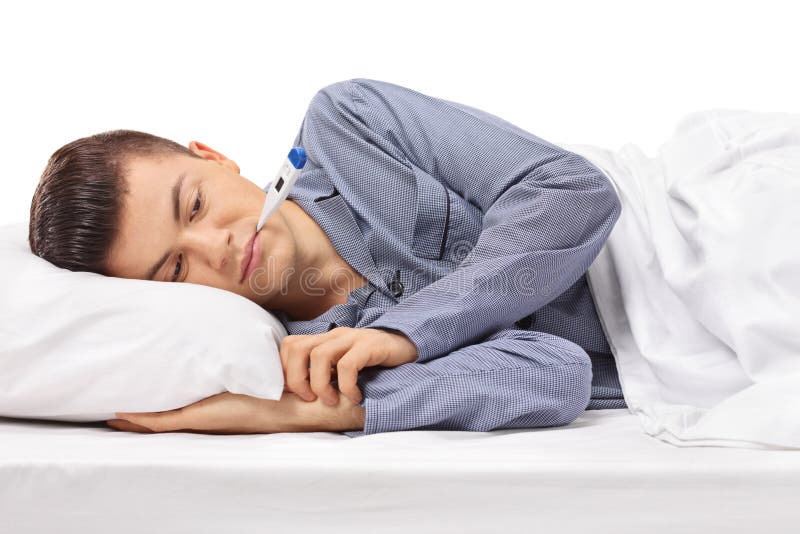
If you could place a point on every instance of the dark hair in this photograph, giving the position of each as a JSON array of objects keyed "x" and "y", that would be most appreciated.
[{"x": 75, "y": 210}]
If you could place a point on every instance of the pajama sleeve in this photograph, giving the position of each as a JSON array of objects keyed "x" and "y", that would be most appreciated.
[{"x": 546, "y": 211}]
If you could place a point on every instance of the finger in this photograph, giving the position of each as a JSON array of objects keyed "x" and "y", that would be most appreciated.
[
  {"x": 348, "y": 367},
  {"x": 322, "y": 357},
  {"x": 338, "y": 331},
  {"x": 285, "y": 348},
  {"x": 297, "y": 369},
  {"x": 122, "y": 424},
  {"x": 167, "y": 421}
]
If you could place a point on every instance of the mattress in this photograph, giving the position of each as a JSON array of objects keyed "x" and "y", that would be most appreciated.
[{"x": 601, "y": 472}]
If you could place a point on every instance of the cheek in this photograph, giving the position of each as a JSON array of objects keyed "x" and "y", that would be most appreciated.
[
  {"x": 278, "y": 263},
  {"x": 204, "y": 276},
  {"x": 231, "y": 202},
  {"x": 275, "y": 234},
  {"x": 251, "y": 196}
]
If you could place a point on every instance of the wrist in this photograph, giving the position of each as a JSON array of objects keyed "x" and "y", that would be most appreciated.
[
  {"x": 298, "y": 415},
  {"x": 346, "y": 415}
]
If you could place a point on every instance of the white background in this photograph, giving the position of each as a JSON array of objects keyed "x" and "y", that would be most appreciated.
[{"x": 238, "y": 76}]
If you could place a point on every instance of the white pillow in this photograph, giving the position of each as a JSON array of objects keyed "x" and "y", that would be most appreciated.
[{"x": 79, "y": 346}]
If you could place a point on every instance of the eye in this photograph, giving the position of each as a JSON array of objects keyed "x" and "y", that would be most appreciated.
[
  {"x": 177, "y": 268},
  {"x": 196, "y": 207}
]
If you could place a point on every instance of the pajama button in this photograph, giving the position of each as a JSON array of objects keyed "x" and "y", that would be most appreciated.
[
  {"x": 396, "y": 286},
  {"x": 526, "y": 322}
]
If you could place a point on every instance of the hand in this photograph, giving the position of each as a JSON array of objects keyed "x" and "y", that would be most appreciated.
[
  {"x": 224, "y": 413},
  {"x": 348, "y": 350},
  {"x": 229, "y": 413}
]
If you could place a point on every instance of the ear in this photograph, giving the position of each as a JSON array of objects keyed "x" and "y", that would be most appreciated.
[{"x": 206, "y": 152}]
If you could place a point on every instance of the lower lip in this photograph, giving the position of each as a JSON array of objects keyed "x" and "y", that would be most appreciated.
[{"x": 255, "y": 258}]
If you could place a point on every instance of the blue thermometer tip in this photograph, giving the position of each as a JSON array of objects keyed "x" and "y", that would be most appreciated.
[{"x": 297, "y": 157}]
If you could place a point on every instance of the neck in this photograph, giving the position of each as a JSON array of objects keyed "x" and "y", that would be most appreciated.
[{"x": 321, "y": 277}]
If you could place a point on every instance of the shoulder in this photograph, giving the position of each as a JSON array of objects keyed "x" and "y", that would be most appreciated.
[
  {"x": 353, "y": 84},
  {"x": 359, "y": 91},
  {"x": 334, "y": 99},
  {"x": 336, "y": 91}
]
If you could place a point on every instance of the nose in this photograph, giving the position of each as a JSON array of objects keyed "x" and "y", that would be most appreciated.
[{"x": 210, "y": 245}]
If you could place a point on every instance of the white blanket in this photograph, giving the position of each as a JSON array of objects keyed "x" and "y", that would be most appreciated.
[{"x": 698, "y": 285}]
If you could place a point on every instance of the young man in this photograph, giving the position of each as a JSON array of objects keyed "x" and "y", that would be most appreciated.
[{"x": 431, "y": 253}]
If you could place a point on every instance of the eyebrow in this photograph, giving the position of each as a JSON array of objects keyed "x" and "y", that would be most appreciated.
[{"x": 176, "y": 207}]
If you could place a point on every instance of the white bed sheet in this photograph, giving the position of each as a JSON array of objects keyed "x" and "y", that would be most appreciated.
[
  {"x": 599, "y": 474},
  {"x": 698, "y": 285}
]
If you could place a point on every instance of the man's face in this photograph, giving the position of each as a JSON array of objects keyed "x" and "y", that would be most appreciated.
[{"x": 217, "y": 213}]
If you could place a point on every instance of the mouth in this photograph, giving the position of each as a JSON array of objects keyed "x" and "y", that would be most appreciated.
[{"x": 251, "y": 256}]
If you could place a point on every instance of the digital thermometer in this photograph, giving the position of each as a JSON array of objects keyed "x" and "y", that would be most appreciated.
[{"x": 283, "y": 182}]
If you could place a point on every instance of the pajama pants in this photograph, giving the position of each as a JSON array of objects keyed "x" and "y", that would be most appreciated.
[{"x": 512, "y": 379}]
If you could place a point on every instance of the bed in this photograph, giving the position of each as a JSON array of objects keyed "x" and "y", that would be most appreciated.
[
  {"x": 600, "y": 473},
  {"x": 650, "y": 468}
]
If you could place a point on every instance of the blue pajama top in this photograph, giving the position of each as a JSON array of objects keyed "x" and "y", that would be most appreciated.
[{"x": 475, "y": 236}]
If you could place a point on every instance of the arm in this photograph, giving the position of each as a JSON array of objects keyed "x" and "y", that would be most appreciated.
[
  {"x": 230, "y": 413},
  {"x": 546, "y": 211},
  {"x": 510, "y": 379}
]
